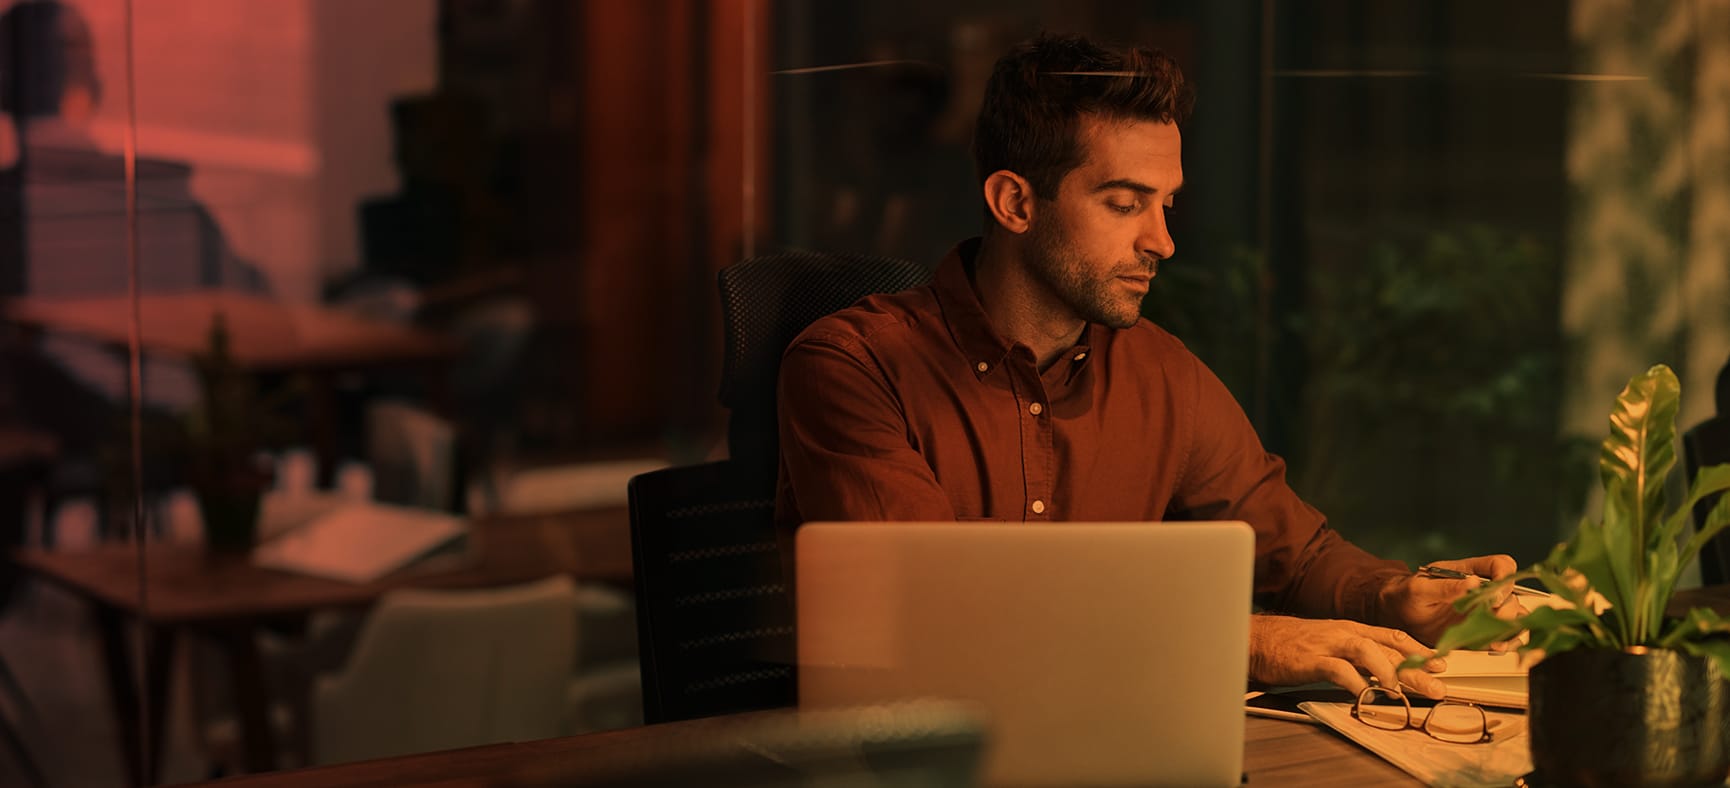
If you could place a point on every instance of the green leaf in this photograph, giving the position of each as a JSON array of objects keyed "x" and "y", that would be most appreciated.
[
  {"x": 1634, "y": 461},
  {"x": 1716, "y": 649},
  {"x": 1480, "y": 629},
  {"x": 1707, "y": 481},
  {"x": 1716, "y": 520},
  {"x": 1555, "y": 641},
  {"x": 1699, "y": 623},
  {"x": 1641, "y": 447},
  {"x": 1604, "y": 553},
  {"x": 1558, "y": 618},
  {"x": 1550, "y": 574},
  {"x": 1485, "y": 593},
  {"x": 1661, "y": 571}
]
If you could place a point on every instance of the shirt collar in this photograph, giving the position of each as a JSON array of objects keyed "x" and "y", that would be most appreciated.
[{"x": 968, "y": 324}]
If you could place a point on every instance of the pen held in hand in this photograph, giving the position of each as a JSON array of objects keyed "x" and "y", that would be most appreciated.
[{"x": 1444, "y": 573}]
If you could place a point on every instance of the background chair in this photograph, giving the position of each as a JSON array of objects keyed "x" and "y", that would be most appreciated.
[
  {"x": 765, "y": 303},
  {"x": 435, "y": 670},
  {"x": 714, "y": 619},
  {"x": 24, "y": 461},
  {"x": 413, "y": 454},
  {"x": 1708, "y": 443},
  {"x": 714, "y": 602}
]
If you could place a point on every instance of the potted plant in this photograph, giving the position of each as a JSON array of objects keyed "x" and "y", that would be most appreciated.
[
  {"x": 1624, "y": 694},
  {"x": 224, "y": 434}
]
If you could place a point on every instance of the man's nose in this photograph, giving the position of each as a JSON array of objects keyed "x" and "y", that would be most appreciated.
[{"x": 1156, "y": 238}]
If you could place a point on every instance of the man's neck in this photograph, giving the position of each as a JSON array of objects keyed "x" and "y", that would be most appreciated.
[{"x": 1022, "y": 308}]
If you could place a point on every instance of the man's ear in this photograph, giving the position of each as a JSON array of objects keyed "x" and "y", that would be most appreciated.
[{"x": 1009, "y": 200}]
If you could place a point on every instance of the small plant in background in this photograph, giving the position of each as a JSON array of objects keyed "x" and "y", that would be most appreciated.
[{"x": 224, "y": 436}]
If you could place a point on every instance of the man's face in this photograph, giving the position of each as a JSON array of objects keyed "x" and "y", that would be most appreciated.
[{"x": 1097, "y": 246}]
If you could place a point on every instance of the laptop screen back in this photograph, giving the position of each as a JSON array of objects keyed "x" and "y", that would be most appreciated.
[{"x": 1101, "y": 653}]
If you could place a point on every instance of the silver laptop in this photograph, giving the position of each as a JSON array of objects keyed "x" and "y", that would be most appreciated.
[{"x": 1100, "y": 653}]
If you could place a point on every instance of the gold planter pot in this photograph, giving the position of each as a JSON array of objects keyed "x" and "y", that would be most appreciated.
[{"x": 1634, "y": 717}]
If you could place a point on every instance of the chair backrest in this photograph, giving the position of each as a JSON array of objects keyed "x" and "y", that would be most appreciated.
[
  {"x": 714, "y": 612},
  {"x": 1709, "y": 444},
  {"x": 25, "y": 456},
  {"x": 413, "y": 454},
  {"x": 765, "y": 303},
  {"x": 433, "y": 670}
]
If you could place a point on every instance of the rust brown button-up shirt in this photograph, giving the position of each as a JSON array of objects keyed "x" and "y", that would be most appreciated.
[{"x": 910, "y": 406}]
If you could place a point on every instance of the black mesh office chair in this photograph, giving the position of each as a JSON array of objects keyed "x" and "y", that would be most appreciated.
[
  {"x": 765, "y": 303},
  {"x": 714, "y": 606},
  {"x": 1708, "y": 443}
]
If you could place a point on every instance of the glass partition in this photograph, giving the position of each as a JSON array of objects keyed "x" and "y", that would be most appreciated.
[{"x": 420, "y": 284}]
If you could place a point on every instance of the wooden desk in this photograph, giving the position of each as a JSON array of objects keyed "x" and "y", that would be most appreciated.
[
  {"x": 1276, "y": 752},
  {"x": 264, "y": 335},
  {"x": 228, "y": 598}
]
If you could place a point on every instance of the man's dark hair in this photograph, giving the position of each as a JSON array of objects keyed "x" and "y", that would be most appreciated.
[{"x": 1040, "y": 90}]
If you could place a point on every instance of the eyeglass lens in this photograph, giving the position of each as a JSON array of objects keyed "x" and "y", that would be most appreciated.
[{"x": 1457, "y": 723}]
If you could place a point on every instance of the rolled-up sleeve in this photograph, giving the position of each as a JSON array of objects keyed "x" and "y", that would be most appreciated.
[{"x": 1302, "y": 566}]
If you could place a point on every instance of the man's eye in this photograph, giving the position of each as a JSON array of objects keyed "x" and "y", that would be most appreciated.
[{"x": 1124, "y": 209}]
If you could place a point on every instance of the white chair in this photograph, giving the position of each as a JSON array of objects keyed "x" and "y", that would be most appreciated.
[
  {"x": 435, "y": 670},
  {"x": 563, "y": 488},
  {"x": 606, "y": 689}
]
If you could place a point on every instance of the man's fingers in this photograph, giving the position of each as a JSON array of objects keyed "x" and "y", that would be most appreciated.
[
  {"x": 1397, "y": 640},
  {"x": 1424, "y": 683},
  {"x": 1342, "y": 673},
  {"x": 1510, "y": 608},
  {"x": 1372, "y": 658},
  {"x": 1489, "y": 567},
  {"x": 1450, "y": 590}
]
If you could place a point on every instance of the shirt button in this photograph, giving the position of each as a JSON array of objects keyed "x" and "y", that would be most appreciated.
[
  {"x": 982, "y": 366},
  {"x": 1080, "y": 356},
  {"x": 1035, "y": 408},
  {"x": 1039, "y": 507}
]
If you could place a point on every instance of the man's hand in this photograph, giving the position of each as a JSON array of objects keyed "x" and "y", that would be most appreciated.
[
  {"x": 1285, "y": 651},
  {"x": 1424, "y": 606}
]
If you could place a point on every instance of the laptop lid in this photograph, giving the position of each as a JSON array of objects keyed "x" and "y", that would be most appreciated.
[{"x": 1101, "y": 653}]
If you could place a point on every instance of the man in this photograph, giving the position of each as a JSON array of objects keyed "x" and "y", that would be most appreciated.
[{"x": 1022, "y": 384}]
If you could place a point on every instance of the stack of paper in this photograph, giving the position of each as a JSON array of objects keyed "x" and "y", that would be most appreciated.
[
  {"x": 360, "y": 541},
  {"x": 1498, "y": 762},
  {"x": 1486, "y": 678}
]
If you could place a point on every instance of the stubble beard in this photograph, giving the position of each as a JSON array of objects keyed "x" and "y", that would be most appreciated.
[{"x": 1063, "y": 271}]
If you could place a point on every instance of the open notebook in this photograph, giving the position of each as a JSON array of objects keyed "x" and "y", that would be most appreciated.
[{"x": 360, "y": 541}]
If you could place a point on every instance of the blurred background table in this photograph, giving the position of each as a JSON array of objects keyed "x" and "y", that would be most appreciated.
[
  {"x": 264, "y": 337},
  {"x": 227, "y": 598}
]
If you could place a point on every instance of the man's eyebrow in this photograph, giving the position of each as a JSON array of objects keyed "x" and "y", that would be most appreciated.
[{"x": 1132, "y": 185}]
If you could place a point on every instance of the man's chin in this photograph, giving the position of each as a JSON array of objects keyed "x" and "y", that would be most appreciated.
[{"x": 1122, "y": 320}]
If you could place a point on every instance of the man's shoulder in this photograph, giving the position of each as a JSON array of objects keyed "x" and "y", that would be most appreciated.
[{"x": 884, "y": 319}]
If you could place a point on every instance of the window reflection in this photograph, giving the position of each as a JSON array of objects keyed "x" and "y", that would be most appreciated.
[{"x": 463, "y": 254}]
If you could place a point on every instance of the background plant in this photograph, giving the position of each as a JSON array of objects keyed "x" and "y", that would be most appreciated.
[{"x": 1417, "y": 391}]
